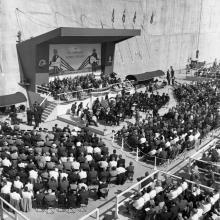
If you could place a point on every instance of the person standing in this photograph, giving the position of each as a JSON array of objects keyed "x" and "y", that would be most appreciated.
[
  {"x": 73, "y": 108},
  {"x": 36, "y": 116},
  {"x": 168, "y": 77},
  {"x": 172, "y": 75},
  {"x": 40, "y": 111},
  {"x": 29, "y": 116}
]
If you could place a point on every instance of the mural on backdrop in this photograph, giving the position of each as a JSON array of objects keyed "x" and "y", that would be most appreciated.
[{"x": 74, "y": 58}]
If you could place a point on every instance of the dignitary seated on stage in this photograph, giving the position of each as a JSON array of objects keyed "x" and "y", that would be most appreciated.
[
  {"x": 78, "y": 83},
  {"x": 57, "y": 167}
]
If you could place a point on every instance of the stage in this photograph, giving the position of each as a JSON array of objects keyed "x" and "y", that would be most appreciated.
[{"x": 100, "y": 130}]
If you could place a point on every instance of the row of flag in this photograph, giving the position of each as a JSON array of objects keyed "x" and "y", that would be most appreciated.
[
  {"x": 134, "y": 17},
  {"x": 123, "y": 16}
]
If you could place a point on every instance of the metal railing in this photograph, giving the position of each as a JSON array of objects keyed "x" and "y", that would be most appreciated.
[
  {"x": 15, "y": 214},
  {"x": 96, "y": 211},
  {"x": 41, "y": 89},
  {"x": 45, "y": 99}
]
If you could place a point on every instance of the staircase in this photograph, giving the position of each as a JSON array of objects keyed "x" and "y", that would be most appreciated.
[{"x": 48, "y": 110}]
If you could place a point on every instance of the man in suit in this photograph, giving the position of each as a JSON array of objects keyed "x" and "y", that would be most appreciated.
[
  {"x": 83, "y": 196},
  {"x": 29, "y": 116},
  {"x": 121, "y": 161}
]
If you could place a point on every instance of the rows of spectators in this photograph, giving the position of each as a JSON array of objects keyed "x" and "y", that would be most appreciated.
[
  {"x": 78, "y": 83},
  {"x": 173, "y": 199},
  {"x": 58, "y": 167},
  {"x": 207, "y": 169},
  {"x": 114, "y": 110},
  {"x": 165, "y": 136}
]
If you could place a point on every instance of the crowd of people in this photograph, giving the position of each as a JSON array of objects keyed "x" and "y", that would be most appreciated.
[
  {"x": 209, "y": 72},
  {"x": 207, "y": 169},
  {"x": 172, "y": 199},
  {"x": 79, "y": 83},
  {"x": 165, "y": 136},
  {"x": 56, "y": 168},
  {"x": 34, "y": 112},
  {"x": 114, "y": 110}
]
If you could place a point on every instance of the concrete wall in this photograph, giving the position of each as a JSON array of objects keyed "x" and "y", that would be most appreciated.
[{"x": 172, "y": 30}]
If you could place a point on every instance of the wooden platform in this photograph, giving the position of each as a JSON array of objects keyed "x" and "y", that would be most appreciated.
[{"x": 76, "y": 121}]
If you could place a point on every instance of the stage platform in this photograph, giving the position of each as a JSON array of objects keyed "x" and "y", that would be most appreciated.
[{"x": 100, "y": 130}]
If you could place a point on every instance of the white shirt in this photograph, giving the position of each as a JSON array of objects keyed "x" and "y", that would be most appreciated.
[
  {"x": 47, "y": 158},
  {"x": 15, "y": 196},
  {"x": 179, "y": 190},
  {"x": 6, "y": 189},
  {"x": 27, "y": 195},
  {"x": 153, "y": 152},
  {"x": 152, "y": 193},
  {"x": 216, "y": 197},
  {"x": 63, "y": 159},
  {"x": 29, "y": 186},
  {"x": 146, "y": 197},
  {"x": 196, "y": 191},
  {"x": 113, "y": 163},
  {"x": 82, "y": 174},
  {"x": 6, "y": 162},
  {"x": 54, "y": 174},
  {"x": 22, "y": 165},
  {"x": 89, "y": 157},
  {"x": 206, "y": 207},
  {"x": 194, "y": 217},
  {"x": 158, "y": 189},
  {"x": 89, "y": 149},
  {"x": 172, "y": 194},
  {"x": 103, "y": 164},
  {"x": 120, "y": 170},
  {"x": 18, "y": 184},
  {"x": 138, "y": 204},
  {"x": 199, "y": 212},
  {"x": 191, "y": 138},
  {"x": 33, "y": 174},
  {"x": 80, "y": 185},
  {"x": 97, "y": 150},
  {"x": 75, "y": 165},
  {"x": 184, "y": 185},
  {"x": 197, "y": 136}
]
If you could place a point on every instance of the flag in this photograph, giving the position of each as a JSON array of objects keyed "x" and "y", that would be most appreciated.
[
  {"x": 113, "y": 15},
  {"x": 134, "y": 18},
  {"x": 152, "y": 18},
  {"x": 123, "y": 17}
]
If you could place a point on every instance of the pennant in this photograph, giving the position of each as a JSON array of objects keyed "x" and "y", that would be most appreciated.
[
  {"x": 123, "y": 17},
  {"x": 152, "y": 18},
  {"x": 113, "y": 15},
  {"x": 134, "y": 18}
]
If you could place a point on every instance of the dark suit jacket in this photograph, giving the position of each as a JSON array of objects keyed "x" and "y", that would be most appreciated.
[{"x": 83, "y": 197}]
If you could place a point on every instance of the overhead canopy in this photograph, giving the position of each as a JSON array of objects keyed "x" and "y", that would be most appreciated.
[
  {"x": 12, "y": 99},
  {"x": 145, "y": 76},
  {"x": 83, "y": 35}
]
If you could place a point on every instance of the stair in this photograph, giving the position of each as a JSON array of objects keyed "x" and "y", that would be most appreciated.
[{"x": 48, "y": 110}]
